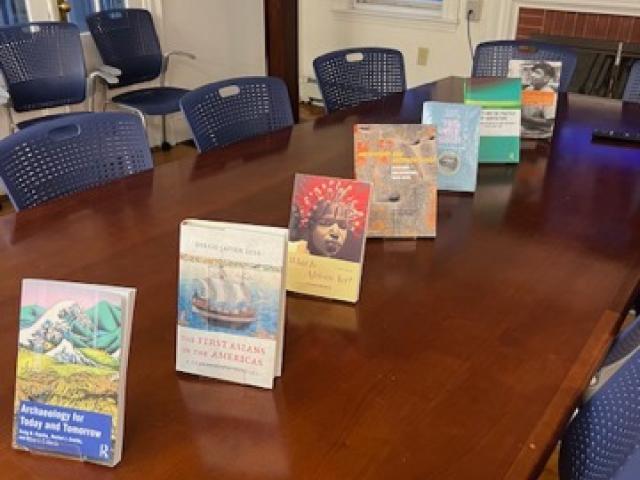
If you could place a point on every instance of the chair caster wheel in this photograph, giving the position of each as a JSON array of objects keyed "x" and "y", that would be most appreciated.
[{"x": 166, "y": 146}]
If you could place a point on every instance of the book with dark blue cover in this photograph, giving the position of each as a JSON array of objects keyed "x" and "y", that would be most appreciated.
[{"x": 458, "y": 140}]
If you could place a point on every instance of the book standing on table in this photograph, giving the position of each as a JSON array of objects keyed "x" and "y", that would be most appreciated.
[
  {"x": 231, "y": 301},
  {"x": 71, "y": 370},
  {"x": 327, "y": 233}
]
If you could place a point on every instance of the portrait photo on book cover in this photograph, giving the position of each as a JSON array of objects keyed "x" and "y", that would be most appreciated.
[{"x": 328, "y": 217}]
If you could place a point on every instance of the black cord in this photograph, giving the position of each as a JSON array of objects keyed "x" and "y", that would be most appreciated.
[{"x": 469, "y": 12}]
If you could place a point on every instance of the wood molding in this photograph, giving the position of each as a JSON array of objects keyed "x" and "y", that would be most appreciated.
[{"x": 281, "y": 41}]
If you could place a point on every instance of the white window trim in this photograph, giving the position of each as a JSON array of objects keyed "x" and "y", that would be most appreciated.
[{"x": 446, "y": 18}]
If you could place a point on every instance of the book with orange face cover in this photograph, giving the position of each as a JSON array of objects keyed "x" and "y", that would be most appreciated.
[
  {"x": 327, "y": 233},
  {"x": 400, "y": 161}
]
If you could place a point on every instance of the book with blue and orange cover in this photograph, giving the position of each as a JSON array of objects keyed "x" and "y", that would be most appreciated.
[
  {"x": 71, "y": 370},
  {"x": 327, "y": 234},
  {"x": 400, "y": 162}
]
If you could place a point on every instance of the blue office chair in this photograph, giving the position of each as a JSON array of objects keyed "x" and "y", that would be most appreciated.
[
  {"x": 491, "y": 59},
  {"x": 355, "y": 75},
  {"x": 71, "y": 153},
  {"x": 231, "y": 110},
  {"x": 632, "y": 90},
  {"x": 603, "y": 439},
  {"x": 127, "y": 40},
  {"x": 43, "y": 67}
]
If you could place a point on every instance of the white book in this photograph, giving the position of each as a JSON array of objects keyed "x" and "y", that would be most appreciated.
[
  {"x": 231, "y": 301},
  {"x": 71, "y": 371}
]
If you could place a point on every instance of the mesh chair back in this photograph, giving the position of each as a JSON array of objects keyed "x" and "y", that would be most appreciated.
[
  {"x": 352, "y": 76},
  {"x": 602, "y": 440},
  {"x": 43, "y": 65},
  {"x": 231, "y": 110},
  {"x": 127, "y": 39},
  {"x": 632, "y": 90},
  {"x": 626, "y": 342},
  {"x": 491, "y": 59},
  {"x": 73, "y": 153}
]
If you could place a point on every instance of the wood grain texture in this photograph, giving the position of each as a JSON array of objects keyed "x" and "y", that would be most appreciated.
[{"x": 463, "y": 360}]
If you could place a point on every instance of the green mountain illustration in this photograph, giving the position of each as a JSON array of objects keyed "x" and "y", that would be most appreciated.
[
  {"x": 29, "y": 315},
  {"x": 103, "y": 334},
  {"x": 95, "y": 328}
]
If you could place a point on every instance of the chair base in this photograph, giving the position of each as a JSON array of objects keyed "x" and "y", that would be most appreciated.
[{"x": 166, "y": 146}]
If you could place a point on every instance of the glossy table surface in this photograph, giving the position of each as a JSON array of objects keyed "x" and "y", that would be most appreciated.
[{"x": 463, "y": 359}]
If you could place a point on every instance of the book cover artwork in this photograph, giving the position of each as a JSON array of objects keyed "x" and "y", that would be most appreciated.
[
  {"x": 231, "y": 301},
  {"x": 500, "y": 99},
  {"x": 400, "y": 161},
  {"x": 540, "y": 83},
  {"x": 327, "y": 233},
  {"x": 71, "y": 369},
  {"x": 458, "y": 141}
]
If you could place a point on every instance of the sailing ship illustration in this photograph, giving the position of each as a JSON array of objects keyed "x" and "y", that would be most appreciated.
[{"x": 218, "y": 298}]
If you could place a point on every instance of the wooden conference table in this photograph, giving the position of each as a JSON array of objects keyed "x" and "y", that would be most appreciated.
[{"x": 463, "y": 359}]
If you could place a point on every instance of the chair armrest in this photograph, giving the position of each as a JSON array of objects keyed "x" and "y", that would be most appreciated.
[
  {"x": 165, "y": 62},
  {"x": 109, "y": 70},
  {"x": 5, "y": 98},
  {"x": 105, "y": 73}
]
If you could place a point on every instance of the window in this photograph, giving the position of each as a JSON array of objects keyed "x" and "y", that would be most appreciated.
[
  {"x": 12, "y": 12},
  {"x": 442, "y": 11},
  {"x": 80, "y": 9},
  {"x": 430, "y": 4}
]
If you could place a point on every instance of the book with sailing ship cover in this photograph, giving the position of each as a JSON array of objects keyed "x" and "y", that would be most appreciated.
[
  {"x": 71, "y": 370},
  {"x": 400, "y": 162},
  {"x": 458, "y": 140},
  {"x": 327, "y": 233},
  {"x": 231, "y": 301},
  {"x": 540, "y": 82}
]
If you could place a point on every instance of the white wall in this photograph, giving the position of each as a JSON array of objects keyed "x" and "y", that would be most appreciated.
[
  {"x": 326, "y": 25},
  {"x": 227, "y": 36}
]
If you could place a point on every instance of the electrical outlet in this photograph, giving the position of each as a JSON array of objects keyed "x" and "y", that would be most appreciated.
[
  {"x": 474, "y": 10},
  {"x": 423, "y": 54}
]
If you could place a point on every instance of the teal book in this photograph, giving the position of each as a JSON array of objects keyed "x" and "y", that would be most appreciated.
[
  {"x": 458, "y": 141},
  {"x": 501, "y": 102},
  {"x": 71, "y": 370}
]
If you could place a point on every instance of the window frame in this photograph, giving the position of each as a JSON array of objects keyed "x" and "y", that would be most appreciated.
[{"x": 446, "y": 10}]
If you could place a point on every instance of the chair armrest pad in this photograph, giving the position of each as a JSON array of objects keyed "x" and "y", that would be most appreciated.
[{"x": 179, "y": 53}]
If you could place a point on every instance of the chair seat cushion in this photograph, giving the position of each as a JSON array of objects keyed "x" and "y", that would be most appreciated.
[
  {"x": 33, "y": 121},
  {"x": 153, "y": 101}
]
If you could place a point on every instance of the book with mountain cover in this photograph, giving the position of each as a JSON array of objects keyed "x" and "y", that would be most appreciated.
[
  {"x": 71, "y": 370},
  {"x": 231, "y": 301}
]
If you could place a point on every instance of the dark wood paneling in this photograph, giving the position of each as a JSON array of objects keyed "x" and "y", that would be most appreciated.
[{"x": 281, "y": 22}]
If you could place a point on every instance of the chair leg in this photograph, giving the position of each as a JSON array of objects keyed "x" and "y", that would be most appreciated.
[{"x": 165, "y": 145}]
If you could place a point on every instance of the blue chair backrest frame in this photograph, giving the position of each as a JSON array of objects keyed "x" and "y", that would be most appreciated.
[
  {"x": 43, "y": 65},
  {"x": 603, "y": 439},
  {"x": 632, "y": 89},
  {"x": 231, "y": 110},
  {"x": 72, "y": 153},
  {"x": 352, "y": 76},
  {"x": 491, "y": 59},
  {"x": 127, "y": 39}
]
